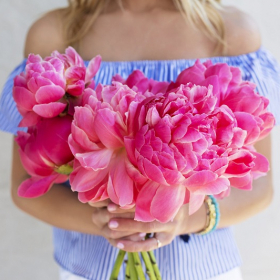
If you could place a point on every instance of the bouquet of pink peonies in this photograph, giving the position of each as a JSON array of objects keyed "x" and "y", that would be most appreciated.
[{"x": 141, "y": 143}]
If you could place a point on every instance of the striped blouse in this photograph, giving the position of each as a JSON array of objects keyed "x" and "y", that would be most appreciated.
[{"x": 200, "y": 258}]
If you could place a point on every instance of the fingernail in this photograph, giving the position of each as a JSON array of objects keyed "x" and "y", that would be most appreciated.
[
  {"x": 113, "y": 224},
  {"x": 112, "y": 207},
  {"x": 142, "y": 234},
  {"x": 120, "y": 245}
]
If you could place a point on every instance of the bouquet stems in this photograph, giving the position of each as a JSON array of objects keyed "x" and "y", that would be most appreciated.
[
  {"x": 117, "y": 265},
  {"x": 127, "y": 273},
  {"x": 137, "y": 264},
  {"x": 134, "y": 270},
  {"x": 155, "y": 266},
  {"x": 149, "y": 266}
]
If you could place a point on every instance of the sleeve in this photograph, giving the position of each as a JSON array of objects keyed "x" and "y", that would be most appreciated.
[
  {"x": 9, "y": 115},
  {"x": 269, "y": 83}
]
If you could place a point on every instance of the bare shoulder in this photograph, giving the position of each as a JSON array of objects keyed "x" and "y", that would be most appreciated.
[
  {"x": 46, "y": 35},
  {"x": 242, "y": 32}
]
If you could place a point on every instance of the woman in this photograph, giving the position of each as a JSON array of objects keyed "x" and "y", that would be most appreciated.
[{"x": 161, "y": 38}]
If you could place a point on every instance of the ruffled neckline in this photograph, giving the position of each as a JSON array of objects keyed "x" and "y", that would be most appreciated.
[
  {"x": 237, "y": 58},
  {"x": 241, "y": 57}
]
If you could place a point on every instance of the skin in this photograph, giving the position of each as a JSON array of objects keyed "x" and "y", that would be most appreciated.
[{"x": 166, "y": 36}]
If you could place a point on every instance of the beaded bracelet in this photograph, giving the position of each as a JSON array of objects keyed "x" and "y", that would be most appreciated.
[{"x": 213, "y": 215}]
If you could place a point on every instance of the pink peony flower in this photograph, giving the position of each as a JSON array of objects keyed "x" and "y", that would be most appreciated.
[
  {"x": 249, "y": 108},
  {"x": 172, "y": 146},
  {"x": 78, "y": 77},
  {"x": 97, "y": 142},
  {"x": 140, "y": 83},
  {"x": 52, "y": 86},
  {"x": 45, "y": 155},
  {"x": 185, "y": 144}
]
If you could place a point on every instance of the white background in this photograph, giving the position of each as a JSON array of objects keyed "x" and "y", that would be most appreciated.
[{"x": 25, "y": 244}]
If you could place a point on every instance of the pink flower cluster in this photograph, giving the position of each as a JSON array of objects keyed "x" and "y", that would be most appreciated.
[
  {"x": 46, "y": 94},
  {"x": 139, "y": 142},
  {"x": 157, "y": 145},
  {"x": 52, "y": 86}
]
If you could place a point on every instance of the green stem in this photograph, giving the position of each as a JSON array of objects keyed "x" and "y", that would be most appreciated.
[
  {"x": 127, "y": 274},
  {"x": 138, "y": 266},
  {"x": 150, "y": 270},
  {"x": 117, "y": 265},
  {"x": 155, "y": 266},
  {"x": 133, "y": 273}
]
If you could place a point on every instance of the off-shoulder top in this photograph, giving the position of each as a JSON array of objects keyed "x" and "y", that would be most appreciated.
[{"x": 202, "y": 257}]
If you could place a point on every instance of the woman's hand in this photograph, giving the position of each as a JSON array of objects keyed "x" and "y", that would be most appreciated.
[
  {"x": 103, "y": 212},
  {"x": 165, "y": 233}
]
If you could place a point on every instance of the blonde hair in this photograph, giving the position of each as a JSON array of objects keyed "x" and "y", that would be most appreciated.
[{"x": 81, "y": 14}]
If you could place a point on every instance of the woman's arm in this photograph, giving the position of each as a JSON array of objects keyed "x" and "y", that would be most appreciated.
[
  {"x": 239, "y": 206},
  {"x": 59, "y": 207}
]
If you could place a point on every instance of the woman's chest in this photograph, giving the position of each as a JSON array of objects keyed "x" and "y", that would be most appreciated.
[{"x": 159, "y": 37}]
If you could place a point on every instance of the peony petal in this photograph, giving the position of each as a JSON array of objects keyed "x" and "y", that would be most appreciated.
[
  {"x": 29, "y": 119},
  {"x": 206, "y": 182},
  {"x": 73, "y": 57},
  {"x": 98, "y": 193},
  {"x": 192, "y": 135},
  {"x": 24, "y": 98},
  {"x": 32, "y": 58},
  {"x": 93, "y": 68},
  {"x": 152, "y": 117},
  {"x": 223, "y": 72},
  {"x": 82, "y": 180},
  {"x": 119, "y": 180},
  {"x": 135, "y": 77},
  {"x": 37, "y": 186},
  {"x": 243, "y": 183},
  {"x": 195, "y": 202},
  {"x": 261, "y": 165},
  {"x": 248, "y": 123},
  {"x": 194, "y": 74},
  {"x": 56, "y": 78},
  {"x": 76, "y": 89},
  {"x": 163, "y": 131},
  {"x": 50, "y": 110},
  {"x": 84, "y": 119},
  {"x": 81, "y": 138},
  {"x": 153, "y": 172},
  {"x": 268, "y": 124},
  {"x": 34, "y": 168},
  {"x": 107, "y": 129},
  {"x": 95, "y": 160},
  {"x": 166, "y": 202},
  {"x": 130, "y": 149},
  {"x": 223, "y": 194},
  {"x": 54, "y": 145},
  {"x": 134, "y": 173},
  {"x": 144, "y": 201},
  {"x": 48, "y": 94}
]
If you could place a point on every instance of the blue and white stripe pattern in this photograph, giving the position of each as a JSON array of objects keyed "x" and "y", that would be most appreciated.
[{"x": 202, "y": 257}]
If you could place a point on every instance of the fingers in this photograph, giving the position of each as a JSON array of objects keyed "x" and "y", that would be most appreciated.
[
  {"x": 128, "y": 224},
  {"x": 101, "y": 216},
  {"x": 136, "y": 237},
  {"x": 143, "y": 245},
  {"x": 100, "y": 204},
  {"x": 126, "y": 235},
  {"x": 113, "y": 208}
]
